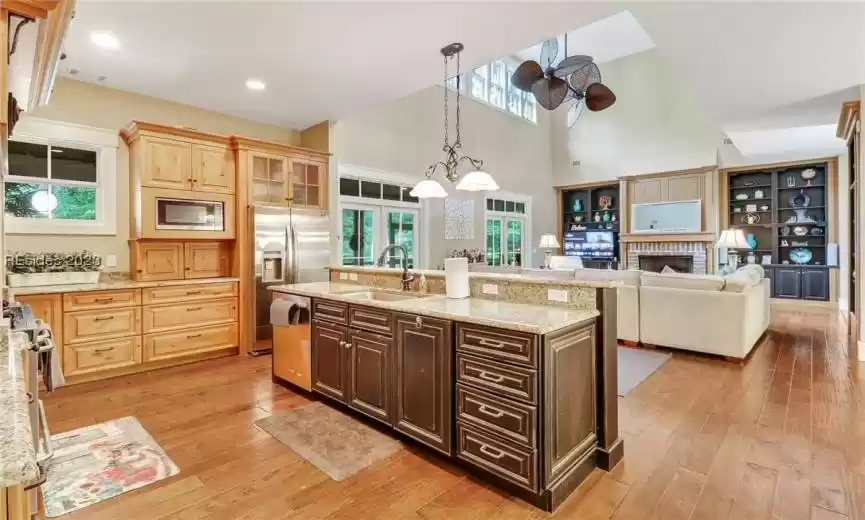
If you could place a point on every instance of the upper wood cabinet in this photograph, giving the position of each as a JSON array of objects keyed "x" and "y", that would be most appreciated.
[
  {"x": 179, "y": 159},
  {"x": 205, "y": 260},
  {"x": 175, "y": 260},
  {"x": 282, "y": 175}
]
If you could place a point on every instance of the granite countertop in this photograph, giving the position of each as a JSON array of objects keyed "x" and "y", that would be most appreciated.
[
  {"x": 529, "y": 276},
  {"x": 535, "y": 319},
  {"x": 111, "y": 285},
  {"x": 17, "y": 453}
]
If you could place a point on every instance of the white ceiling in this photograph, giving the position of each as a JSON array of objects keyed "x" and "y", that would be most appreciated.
[{"x": 320, "y": 60}]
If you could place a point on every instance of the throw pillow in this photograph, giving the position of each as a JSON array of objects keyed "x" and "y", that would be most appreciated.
[
  {"x": 697, "y": 282},
  {"x": 668, "y": 270}
]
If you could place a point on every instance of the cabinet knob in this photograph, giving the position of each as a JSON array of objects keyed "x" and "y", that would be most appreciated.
[
  {"x": 345, "y": 344},
  {"x": 418, "y": 322}
]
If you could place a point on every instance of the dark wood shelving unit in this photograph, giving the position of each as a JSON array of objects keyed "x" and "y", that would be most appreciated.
[
  {"x": 775, "y": 186},
  {"x": 583, "y": 219}
]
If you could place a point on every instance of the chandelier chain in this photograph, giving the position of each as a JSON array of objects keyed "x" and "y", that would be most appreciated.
[
  {"x": 458, "y": 143},
  {"x": 444, "y": 148}
]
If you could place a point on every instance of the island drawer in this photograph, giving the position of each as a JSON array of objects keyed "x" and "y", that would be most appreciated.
[
  {"x": 101, "y": 355},
  {"x": 90, "y": 300},
  {"x": 374, "y": 320},
  {"x": 504, "y": 345},
  {"x": 185, "y": 293},
  {"x": 161, "y": 318},
  {"x": 84, "y": 326},
  {"x": 168, "y": 345},
  {"x": 507, "y": 419},
  {"x": 498, "y": 378},
  {"x": 516, "y": 465},
  {"x": 336, "y": 312}
]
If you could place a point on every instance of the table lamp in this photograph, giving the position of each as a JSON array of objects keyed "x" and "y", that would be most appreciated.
[
  {"x": 549, "y": 243},
  {"x": 733, "y": 239}
]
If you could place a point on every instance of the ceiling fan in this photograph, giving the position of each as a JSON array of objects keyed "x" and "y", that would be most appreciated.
[{"x": 574, "y": 78}]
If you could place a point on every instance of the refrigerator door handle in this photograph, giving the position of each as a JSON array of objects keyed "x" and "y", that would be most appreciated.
[
  {"x": 286, "y": 257},
  {"x": 294, "y": 257}
]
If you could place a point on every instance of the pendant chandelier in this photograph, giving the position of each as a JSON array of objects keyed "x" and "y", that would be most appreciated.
[{"x": 475, "y": 180}]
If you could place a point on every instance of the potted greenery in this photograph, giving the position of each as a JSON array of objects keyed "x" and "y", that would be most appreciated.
[{"x": 33, "y": 269}]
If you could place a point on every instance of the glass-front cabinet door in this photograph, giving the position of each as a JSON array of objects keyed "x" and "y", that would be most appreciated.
[
  {"x": 306, "y": 183},
  {"x": 269, "y": 179}
]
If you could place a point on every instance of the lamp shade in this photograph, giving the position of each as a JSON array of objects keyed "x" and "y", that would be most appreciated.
[
  {"x": 428, "y": 189},
  {"x": 477, "y": 181},
  {"x": 733, "y": 239},
  {"x": 549, "y": 242}
]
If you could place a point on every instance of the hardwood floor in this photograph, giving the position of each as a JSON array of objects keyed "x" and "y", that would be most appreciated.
[{"x": 782, "y": 437}]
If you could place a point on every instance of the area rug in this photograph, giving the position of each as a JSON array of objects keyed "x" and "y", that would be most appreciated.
[
  {"x": 332, "y": 441},
  {"x": 635, "y": 365},
  {"x": 95, "y": 463}
]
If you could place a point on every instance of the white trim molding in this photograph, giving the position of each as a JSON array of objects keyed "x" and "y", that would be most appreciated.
[
  {"x": 861, "y": 345},
  {"x": 103, "y": 141}
]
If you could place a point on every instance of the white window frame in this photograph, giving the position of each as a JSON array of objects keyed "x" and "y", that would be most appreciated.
[
  {"x": 346, "y": 201},
  {"x": 468, "y": 80},
  {"x": 504, "y": 216},
  {"x": 104, "y": 143}
]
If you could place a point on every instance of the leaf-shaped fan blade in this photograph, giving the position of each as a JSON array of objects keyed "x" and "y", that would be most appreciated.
[
  {"x": 550, "y": 92},
  {"x": 599, "y": 97},
  {"x": 571, "y": 64},
  {"x": 549, "y": 51},
  {"x": 575, "y": 112},
  {"x": 585, "y": 76},
  {"x": 526, "y": 74}
]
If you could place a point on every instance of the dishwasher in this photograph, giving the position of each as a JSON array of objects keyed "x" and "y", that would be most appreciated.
[{"x": 289, "y": 317}]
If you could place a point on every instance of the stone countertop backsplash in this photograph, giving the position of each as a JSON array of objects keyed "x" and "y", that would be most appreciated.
[
  {"x": 108, "y": 284},
  {"x": 17, "y": 453},
  {"x": 535, "y": 319}
]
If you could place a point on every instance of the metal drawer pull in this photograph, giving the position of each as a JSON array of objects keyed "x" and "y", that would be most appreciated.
[
  {"x": 100, "y": 350},
  {"x": 190, "y": 293},
  {"x": 491, "y": 343},
  {"x": 418, "y": 322},
  {"x": 190, "y": 309},
  {"x": 492, "y": 412},
  {"x": 103, "y": 299},
  {"x": 495, "y": 378},
  {"x": 489, "y": 451},
  {"x": 359, "y": 314},
  {"x": 104, "y": 318},
  {"x": 324, "y": 307},
  {"x": 190, "y": 336}
]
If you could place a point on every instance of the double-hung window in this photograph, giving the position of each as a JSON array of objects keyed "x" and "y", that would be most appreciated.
[{"x": 506, "y": 232}]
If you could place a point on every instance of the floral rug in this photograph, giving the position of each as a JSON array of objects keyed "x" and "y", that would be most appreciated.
[{"x": 95, "y": 463}]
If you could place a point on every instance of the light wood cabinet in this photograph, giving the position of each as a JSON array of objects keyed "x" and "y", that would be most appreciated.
[
  {"x": 100, "y": 300},
  {"x": 212, "y": 169},
  {"x": 184, "y": 293},
  {"x": 159, "y": 318},
  {"x": 308, "y": 184},
  {"x": 204, "y": 260},
  {"x": 685, "y": 187},
  {"x": 646, "y": 191},
  {"x": 84, "y": 326},
  {"x": 153, "y": 261},
  {"x": 169, "y": 345},
  {"x": 48, "y": 308},
  {"x": 100, "y": 356},
  {"x": 269, "y": 178},
  {"x": 166, "y": 163},
  {"x": 283, "y": 175}
]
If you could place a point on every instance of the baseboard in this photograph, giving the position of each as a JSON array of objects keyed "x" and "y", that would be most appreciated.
[
  {"x": 861, "y": 345},
  {"x": 804, "y": 305}
]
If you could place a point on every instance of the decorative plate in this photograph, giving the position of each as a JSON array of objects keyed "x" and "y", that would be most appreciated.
[
  {"x": 800, "y": 200},
  {"x": 751, "y": 218},
  {"x": 800, "y": 255},
  {"x": 785, "y": 231},
  {"x": 800, "y": 231},
  {"x": 817, "y": 232},
  {"x": 742, "y": 196}
]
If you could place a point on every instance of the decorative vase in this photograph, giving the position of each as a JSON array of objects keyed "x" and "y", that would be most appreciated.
[
  {"x": 606, "y": 217},
  {"x": 758, "y": 194},
  {"x": 752, "y": 240},
  {"x": 597, "y": 217},
  {"x": 578, "y": 205}
]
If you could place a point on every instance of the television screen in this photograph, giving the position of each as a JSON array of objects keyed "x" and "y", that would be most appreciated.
[{"x": 590, "y": 244}]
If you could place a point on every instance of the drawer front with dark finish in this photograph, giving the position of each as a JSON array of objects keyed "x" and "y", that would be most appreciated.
[
  {"x": 512, "y": 346},
  {"x": 508, "y": 419},
  {"x": 512, "y": 381},
  {"x": 332, "y": 311},
  {"x": 517, "y": 465},
  {"x": 373, "y": 320}
]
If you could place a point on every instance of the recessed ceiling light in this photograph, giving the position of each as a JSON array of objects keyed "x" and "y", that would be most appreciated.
[
  {"x": 106, "y": 40},
  {"x": 255, "y": 84}
]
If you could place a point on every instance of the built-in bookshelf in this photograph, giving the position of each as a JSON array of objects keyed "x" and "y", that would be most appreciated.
[
  {"x": 785, "y": 212},
  {"x": 594, "y": 206}
]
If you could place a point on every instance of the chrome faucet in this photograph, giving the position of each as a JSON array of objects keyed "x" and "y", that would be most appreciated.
[{"x": 406, "y": 278}]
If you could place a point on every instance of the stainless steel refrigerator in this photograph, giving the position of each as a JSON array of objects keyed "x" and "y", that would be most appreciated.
[{"x": 291, "y": 246}]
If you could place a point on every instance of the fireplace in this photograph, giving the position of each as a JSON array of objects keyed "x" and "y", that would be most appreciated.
[{"x": 656, "y": 263}]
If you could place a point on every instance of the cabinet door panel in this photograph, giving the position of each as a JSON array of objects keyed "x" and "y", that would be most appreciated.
[
  {"x": 689, "y": 187},
  {"x": 204, "y": 260},
  {"x": 213, "y": 169},
  {"x": 424, "y": 404},
  {"x": 329, "y": 367},
  {"x": 644, "y": 191},
  {"x": 181, "y": 316},
  {"x": 167, "y": 164},
  {"x": 787, "y": 282},
  {"x": 158, "y": 261},
  {"x": 370, "y": 375},
  {"x": 815, "y": 284}
]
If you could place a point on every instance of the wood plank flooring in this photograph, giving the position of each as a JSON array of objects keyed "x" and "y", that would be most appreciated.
[{"x": 781, "y": 437}]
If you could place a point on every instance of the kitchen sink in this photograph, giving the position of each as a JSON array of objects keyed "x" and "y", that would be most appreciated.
[{"x": 384, "y": 296}]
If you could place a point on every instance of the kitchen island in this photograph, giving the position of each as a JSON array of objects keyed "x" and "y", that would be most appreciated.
[{"x": 522, "y": 394}]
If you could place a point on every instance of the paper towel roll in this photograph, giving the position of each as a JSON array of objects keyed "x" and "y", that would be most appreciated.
[{"x": 457, "y": 277}]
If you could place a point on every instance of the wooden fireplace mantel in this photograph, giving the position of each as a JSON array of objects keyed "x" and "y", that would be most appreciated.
[{"x": 667, "y": 237}]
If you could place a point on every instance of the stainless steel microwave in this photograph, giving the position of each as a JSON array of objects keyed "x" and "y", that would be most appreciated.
[{"x": 189, "y": 215}]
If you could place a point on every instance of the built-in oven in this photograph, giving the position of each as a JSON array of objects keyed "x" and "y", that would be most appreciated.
[{"x": 189, "y": 215}]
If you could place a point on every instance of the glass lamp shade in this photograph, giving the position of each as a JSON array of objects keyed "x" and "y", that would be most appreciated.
[
  {"x": 733, "y": 239},
  {"x": 477, "y": 181},
  {"x": 428, "y": 189},
  {"x": 548, "y": 242}
]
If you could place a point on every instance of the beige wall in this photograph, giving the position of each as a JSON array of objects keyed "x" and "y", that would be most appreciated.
[
  {"x": 97, "y": 106},
  {"x": 404, "y": 136}
]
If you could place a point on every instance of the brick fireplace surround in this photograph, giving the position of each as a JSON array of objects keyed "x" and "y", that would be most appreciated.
[{"x": 698, "y": 250}]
